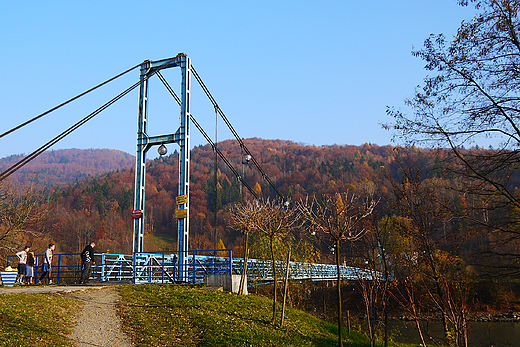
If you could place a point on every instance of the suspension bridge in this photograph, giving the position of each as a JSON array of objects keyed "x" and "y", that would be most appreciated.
[
  {"x": 163, "y": 267},
  {"x": 183, "y": 265}
]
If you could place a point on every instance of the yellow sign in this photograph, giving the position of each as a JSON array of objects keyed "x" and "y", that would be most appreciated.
[
  {"x": 181, "y": 199},
  {"x": 181, "y": 213}
]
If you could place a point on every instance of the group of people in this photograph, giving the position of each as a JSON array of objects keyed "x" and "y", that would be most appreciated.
[{"x": 27, "y": 261}]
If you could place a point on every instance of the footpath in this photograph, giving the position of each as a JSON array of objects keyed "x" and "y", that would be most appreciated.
[{"x": 97, "y": 324}]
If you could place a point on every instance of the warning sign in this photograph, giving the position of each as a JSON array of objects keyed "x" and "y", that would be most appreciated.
[
  {"x": 181, "y": 199},
  {"x": 181, "y": 213}
]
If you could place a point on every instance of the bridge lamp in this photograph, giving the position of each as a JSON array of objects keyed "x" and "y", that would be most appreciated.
[
  {"x": 245, "y": 161},
  {"x": 162, "y": 150}
]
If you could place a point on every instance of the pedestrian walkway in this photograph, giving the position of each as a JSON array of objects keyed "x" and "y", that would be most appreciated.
[
  {"x": 97, "y": 323},
  {"x": 43, "y": 289}
]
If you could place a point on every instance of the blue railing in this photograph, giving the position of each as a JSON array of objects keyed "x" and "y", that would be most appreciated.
[
  {"x": 145, "y": 267},
  {"x": 163, "y": 267},
  {"x": 262, "y": 271},
  {"x": 66, "y": 267}
]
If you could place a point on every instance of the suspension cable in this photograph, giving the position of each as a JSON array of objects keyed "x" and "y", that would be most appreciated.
[
  {"x": 215, "y": 148},
  {"x": 223, "y": 116},
  {"x": 59, "y": 137},
  {"x": 68, "y": 101},
  {"x": 25, "y": 160},
  {"x": 211, "y": 143}
]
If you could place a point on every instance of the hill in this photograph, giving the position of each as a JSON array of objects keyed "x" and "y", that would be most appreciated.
[
  {"x": 99, "y": 206},
  {"x": 63, "y": 166}
]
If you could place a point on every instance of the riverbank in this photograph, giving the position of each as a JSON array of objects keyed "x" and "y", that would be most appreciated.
[{"x": 511, "y": 316}]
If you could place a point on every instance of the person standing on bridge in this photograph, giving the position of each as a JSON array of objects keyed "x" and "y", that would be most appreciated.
[
  {"x": 87, "y": 259},
  {"x": 29, "y": 267},
  {"x": 22, "y": 261},
  {"x": 47, "y": 263}
]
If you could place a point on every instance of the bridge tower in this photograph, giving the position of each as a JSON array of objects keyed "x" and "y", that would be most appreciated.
[{"x": 145, "y": 142}]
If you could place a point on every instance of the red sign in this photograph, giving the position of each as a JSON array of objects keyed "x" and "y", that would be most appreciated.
[{"x": 136, "y": 214}]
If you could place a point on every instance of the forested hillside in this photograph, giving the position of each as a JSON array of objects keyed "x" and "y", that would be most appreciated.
[
  {"x": 59, "y": 167},
  {"x": 412, "y": 186},
  {"x": 99, "y": 206}
]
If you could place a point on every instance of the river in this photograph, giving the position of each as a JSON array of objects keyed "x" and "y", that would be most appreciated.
[{"x": 481, "y": 334}]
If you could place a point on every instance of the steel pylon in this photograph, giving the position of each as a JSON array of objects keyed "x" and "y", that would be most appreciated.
[{"x": 145, "y": 142}]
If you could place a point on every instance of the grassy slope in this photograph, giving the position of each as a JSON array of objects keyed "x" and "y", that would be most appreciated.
[
  {"x": 36, "y": 319},
  {"x": 166, "y": 315}
]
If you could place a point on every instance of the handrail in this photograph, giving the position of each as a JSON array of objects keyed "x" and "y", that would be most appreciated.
[{"x": 162, "y": 267}]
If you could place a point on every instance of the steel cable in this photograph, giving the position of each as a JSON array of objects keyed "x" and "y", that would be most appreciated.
[
  {"x": 59, "y": 137},
  {"x": 211, "y": 143},
  {"x": 25, "y": 160},
  {"x": 215, "y": 148},
  {"x": 68, "y": 101},
  {"x": 244, "y": 147}
]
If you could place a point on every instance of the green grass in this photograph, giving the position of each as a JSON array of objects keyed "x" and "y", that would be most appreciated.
[
  {"x": 168, "y": 315},
  {"x": 36, "y": 319},
  {"x": 164, "y": 315}
]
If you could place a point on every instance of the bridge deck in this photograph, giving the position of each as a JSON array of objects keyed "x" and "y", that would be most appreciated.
[{"x": 162, "y": 267}]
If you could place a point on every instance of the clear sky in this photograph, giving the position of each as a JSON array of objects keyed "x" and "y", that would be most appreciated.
[{"x": 313, "y": 72}]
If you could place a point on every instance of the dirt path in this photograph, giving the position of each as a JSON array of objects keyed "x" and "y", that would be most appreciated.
[{"x": 98, "y": 323}]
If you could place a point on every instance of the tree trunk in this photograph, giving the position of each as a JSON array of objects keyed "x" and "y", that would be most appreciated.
[
  {"x": 244, "y": 268},
  {"x": 385, "y": 318},
  {"x": 348, "y": 321},
  {"x": 286, "y": 285},
  {"x": 418, "y": 325},
  {"x": 338, "y": 285},
  {"x": 275, "y": 279}
]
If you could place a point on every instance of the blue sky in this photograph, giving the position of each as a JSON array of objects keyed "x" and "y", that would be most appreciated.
[{"x": 315, "y": 72}]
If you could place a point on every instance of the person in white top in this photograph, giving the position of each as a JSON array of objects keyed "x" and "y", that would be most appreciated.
[
  {"x": 47, "y": 262},
  {"x": 22, "y": 261}
]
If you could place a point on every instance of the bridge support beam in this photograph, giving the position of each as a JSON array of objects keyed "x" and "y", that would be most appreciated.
[{"x": 145, "y": 142}]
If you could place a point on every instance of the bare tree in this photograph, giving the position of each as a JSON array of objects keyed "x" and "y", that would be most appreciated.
[
  {"x": 276, "y": 220},
  {"x": 340, "y": 217},
  {"x": 431, "y": 257},
  {"x": 22, "y": 209},
  {"x": 244, "y": 218},
  {"x": 471, "y": 97},
  {"x": 456, "y": 308},
  {"x": 374, "y": 248},
  {"x": 404, "y": 294},
  {"x": 299, "y": 249}
]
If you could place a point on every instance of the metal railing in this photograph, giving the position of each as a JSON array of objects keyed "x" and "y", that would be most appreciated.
[
  {"x": 66, "y": 267},
  {"x": 144, "y": 267},
  {"x": 163, "y": 267},
  {"x": 262, "y": 271}
]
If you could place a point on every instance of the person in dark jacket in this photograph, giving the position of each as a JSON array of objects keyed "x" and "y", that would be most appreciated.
[{"x": 87, "y": 260}]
